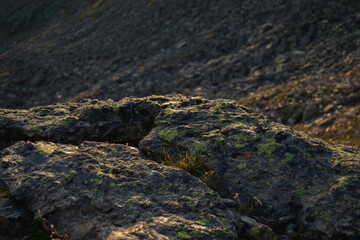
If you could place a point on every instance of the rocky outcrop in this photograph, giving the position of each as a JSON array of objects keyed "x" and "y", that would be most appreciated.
[
  {"x": 106, "y": 191},
  {"x": 283, "y": 183}
]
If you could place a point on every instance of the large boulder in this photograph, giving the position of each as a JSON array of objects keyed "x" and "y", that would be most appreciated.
[
  {"x": 284, "y": 177},
  {"x": 106, "y": 191}
]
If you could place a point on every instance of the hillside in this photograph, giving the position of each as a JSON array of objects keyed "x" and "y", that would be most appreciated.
[{"x": 296, "y": 61}]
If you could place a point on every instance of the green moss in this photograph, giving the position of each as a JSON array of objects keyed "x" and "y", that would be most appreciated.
[
  {"x": 241, "y": 166},
  {"x": 356, "y": 177},
  {"x": 65, "y": 177},
  {"x": 197, "y": 234},
  {"x": 188, "y": 198},
  {"x": 68, "y": 122},
  {"x": 213, "y": 132},
  {"x": 41, "y": 152},
  {"x": 4, "y": 193},
  {"x": 238, "y": 140},
  {"x": 288, "y": 158},
  {"x": 300, "y": 191},
  {"x": 242, "y": 124},
  {"x": 268, "y": 147},
  {"x": 220, "y": 232},
  {"x": 198, "y": 147},
  {"x": 204, "y": 221},
  {"x": 165, "y": 187},
  {"x": 35, "y": 130},
  {"x": 162, "y": 123},
  {"x": 183, "y": 235},
  {"x": 299, "y": 236},
  {"x": 168, "y": 134},
  {"x": 255, "y": 232},
  {"x": 342, "y": 182}
]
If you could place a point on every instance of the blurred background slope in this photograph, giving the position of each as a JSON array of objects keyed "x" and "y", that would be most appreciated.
[{"x": 295, "y": 61}]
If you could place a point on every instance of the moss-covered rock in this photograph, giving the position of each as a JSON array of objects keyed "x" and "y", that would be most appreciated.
[
  {"x": 106, "y": 191},
  {"x": 275, "y": 171},
  {"x": 279, "y": 176},
  {"x": 126, "y": 121}
]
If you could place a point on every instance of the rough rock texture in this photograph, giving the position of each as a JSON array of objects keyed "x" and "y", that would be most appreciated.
[
  {"x": 294, "y": 176},
  {"x": 127, "y": 121},
  {"x": 106, "y": 191},
  {"x": 297, "y": 185}
]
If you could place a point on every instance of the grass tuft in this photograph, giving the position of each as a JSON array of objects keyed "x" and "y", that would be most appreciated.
[
  {"x": 192, "y": 163},
  {"x": 189, "y": 162}
]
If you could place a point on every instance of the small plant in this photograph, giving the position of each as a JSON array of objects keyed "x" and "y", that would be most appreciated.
[
  {"x": 65, "y": 177},
  {"x": 5, "y": 193},
  {"x": 211, "y": 180},
  {"x": 54, "y": 234},
  {"x": 244, "y": 209},
  {"x": 189, "y": 162}
]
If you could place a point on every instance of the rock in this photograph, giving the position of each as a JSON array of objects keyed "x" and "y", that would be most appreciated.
[
  {"x": 262, "y": 232},
  {"x": 277, "y": 176},
  {"x": 326, "y": 122},
  {"x": 357, "y": 133},
  {"x": 248, "y": 220},
  {"x": 37, "y": 80},
  {"x": 117, "y": 122},
  {"x": 272, "y": 171},
  {"x": 77, "y": 189},
  {"x": 290, "y": 229},
  {"x": 310, "y": 112},
  {"x": 297, "y": 113},
  {"x": 15, "y": 222},
  {"x": 329, "y": 108},
  {"x": 229, "y": 202}
]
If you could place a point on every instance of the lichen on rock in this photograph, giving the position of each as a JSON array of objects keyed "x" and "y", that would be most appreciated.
[
  {"x": 106, "y": 191},
  {"x": 281, "y": 177}
]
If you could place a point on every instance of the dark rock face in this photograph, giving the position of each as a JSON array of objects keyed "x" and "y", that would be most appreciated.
[{"x": 295, "y": 184}]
